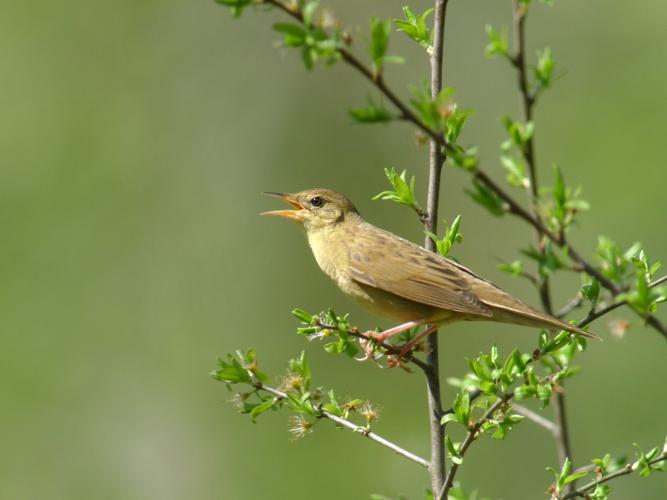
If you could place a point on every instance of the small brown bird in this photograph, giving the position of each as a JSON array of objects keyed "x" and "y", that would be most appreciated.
[{"x": 396, "y": 279}]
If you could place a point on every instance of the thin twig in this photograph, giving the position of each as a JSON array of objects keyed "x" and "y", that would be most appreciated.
[
  {"x": 473, "y": 433},
  {"x": 376, "y": 79},
  {"x": 435, "y": 163},
  {"x": 573, "y": 304},
  {"x": 561, "y": 433},
  {"x": 628, "y": 469},
  {"x": 473, "y": 396},
  {"x": 364, "y": 431},
  {"x": 593, "y": 314},
  {"x": 535, "y": 417},
  {"x": 514, "y": 208},
  {"x": 528, "y": 150},
  {"x": 386, "y": 347}
]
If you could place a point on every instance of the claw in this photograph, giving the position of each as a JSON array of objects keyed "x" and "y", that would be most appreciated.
[
  {"x": 368, "y": 348},
  {"x": 397, "y": 360}
]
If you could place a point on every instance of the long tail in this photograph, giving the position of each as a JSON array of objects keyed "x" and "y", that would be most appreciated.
[{"x": 529, "y": 317}]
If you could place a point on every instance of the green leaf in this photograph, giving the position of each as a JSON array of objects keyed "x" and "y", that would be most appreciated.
[
  {"x": 453, "y": 451},
  {"x": 462, "y": 408},
  {"x": 590, "y": 289},
  {"x": 524, "y": 391},
  {"x": 257, "y": 410},
  {"x": 301, "y": 403},
  {"x": 231, "y": 371},
  {"x": 308, "y": 12},
  {"x": 235, "y": 6},
  {"x": 516, "y": 171},
  {"x": 514, "y": 268},
  {"x": 440, "y": 114},
  {"x": 614, "y": 263},
  {"x": 299, "y": 366},
  {"x": 379, "y": 43},
  {"x": 308, "y": 330},
  {"x": 561, "y": 339},
  {"x": 544, "y": 70},
  {"x": 565, "y": 203},
  {"x": 455, "y": 119},
  {"x": 302, "y": 315},
  {"x": 238, "y": 368},
  {"x": 403, "y": 193},
  {"x": 544, "y": 393},
  {"x": 415, "y": 26},
  {"x": 601, "y": 492},
  {"x": 373, "y": 113},
  {"x": 464, "y": 158},
  {"x": 449, "y": 417},
  {"x": 519, "y": 133},
  {"x": 548, "y": 261},
  {"x": 506, "y": 424},
  {"x": 564, "y": 472},
  {"x": 314, "y": 42},
  {"x": 574, "y": 477},
  {"x": 643, "y": 298},
  {"x": 451, "y": 236},
  {"x": 333, "y": 406},
  {"x": 293, "y": 34},
  {"x": 486, "y": 197},
  {"x": 426, "y": 107},
  {"x": 498, "y": 42}
]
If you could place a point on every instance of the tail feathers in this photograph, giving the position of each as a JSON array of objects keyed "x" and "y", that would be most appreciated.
[
  {"x": 529, "y": 317},
  {"x": 577, "y": 330}
]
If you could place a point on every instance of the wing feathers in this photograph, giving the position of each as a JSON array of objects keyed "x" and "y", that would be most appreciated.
[{"x": 402, "y": 268}]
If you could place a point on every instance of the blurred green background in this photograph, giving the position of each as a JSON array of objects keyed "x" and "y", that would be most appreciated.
[{"x": 136, "y": 138}]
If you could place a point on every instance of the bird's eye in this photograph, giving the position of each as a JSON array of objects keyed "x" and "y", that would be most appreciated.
[{"x": 316, "y": 201}]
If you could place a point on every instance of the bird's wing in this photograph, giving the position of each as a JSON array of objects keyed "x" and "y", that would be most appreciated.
[{"x": 400, "y": 267}]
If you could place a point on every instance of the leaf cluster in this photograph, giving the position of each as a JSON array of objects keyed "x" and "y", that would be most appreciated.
[
  {"x": 403, "y": 191},
  {"x": 236, "y": 7},
  {"x": 296, "y": 393},
  {"x": 605, "y": 468},
  {"x": 415, "y": 26},
  {"x": 644, "y": 298},
  {"x": 441, "y": 114},
  {"x": 565, "y": 203},
  {"x": 515, "y": 376},
  {"x": 452, "y": 235},
  {"x": 379, "y": 43},
  {"x": 373, "y": 112},
  {"x": 315, "y": 43},
  {"x": 328, "y": 325},
  {"x": 489, "y": 199}
]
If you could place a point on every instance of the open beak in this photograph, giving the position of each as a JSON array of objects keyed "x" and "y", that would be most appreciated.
[{"x": 288, "y": 198}]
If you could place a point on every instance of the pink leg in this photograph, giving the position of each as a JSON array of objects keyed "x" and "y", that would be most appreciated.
[
  {"x": 380, "y": 337},
  {"x": 409, "y": 345}
]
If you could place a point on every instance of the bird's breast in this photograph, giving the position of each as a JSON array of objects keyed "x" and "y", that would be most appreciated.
[{"x": 331, "y": 256}]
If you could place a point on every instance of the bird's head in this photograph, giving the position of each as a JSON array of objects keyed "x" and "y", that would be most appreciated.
[{"x": 315, "y": 208}]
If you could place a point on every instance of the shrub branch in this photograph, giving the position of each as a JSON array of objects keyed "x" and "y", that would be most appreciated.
[
  {"x": 364, "y": 431},
  {"x": 628, "y": 469},
  {"x": 436, "y": 161}
]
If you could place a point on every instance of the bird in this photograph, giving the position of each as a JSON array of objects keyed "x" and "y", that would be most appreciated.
[{"x": 396, "y": 279}]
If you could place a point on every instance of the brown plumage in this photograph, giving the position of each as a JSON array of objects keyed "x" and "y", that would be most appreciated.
[{"x": 397, "y": 279}]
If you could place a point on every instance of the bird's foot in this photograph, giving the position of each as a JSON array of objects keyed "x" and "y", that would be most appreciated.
[
  {"x": 369, "y": 348},
  {"x": 397, "y": 360},
  {"x": 408, "y": 346}
]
